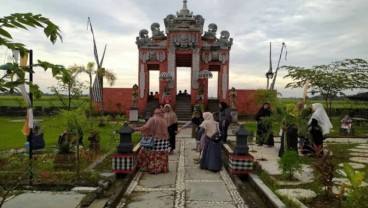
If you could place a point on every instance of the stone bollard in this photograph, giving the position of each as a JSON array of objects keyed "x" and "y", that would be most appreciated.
[
  {"x": 125, "y": 160},
  {"x": 241, "y": 162},
  {"x": 125, "y": 145}
]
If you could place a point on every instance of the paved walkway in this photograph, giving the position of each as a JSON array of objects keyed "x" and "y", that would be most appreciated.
[{"x": 186, "y": 185}]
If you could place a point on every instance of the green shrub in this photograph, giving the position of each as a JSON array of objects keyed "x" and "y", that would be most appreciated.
[{"x": 289, "y": 164}]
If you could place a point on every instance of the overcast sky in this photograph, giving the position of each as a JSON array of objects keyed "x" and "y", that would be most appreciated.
[{"x": 315, "y": 32}]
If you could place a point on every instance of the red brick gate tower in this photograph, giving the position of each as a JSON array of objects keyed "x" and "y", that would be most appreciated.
[{"x": 183, "y": 44}]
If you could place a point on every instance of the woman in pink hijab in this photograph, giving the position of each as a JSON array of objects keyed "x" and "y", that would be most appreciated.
[{"x": 155, "y": 159}]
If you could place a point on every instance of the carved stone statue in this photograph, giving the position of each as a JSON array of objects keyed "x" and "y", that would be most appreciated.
[
  {"x": 224, "y": 39},
  {"x": 156, "y": 33},
  {"x": 134, "y": 96},
  {"x": 211, "y": 33},
  {"x": 143, "y": 39},
  {"x": 232, "y": 95}
]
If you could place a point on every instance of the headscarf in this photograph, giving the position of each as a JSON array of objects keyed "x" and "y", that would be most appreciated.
[
  {"x": 209, "y": 124},
  {"x": 223, "y": 105},
  {"x": 262, "y": 112},
  {"x": 156, "y": 124},
  {"x": 170, "y": 117},
  {"x": 321, "y": 116}
]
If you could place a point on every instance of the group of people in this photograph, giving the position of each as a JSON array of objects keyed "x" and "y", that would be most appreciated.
[
  {"x": 163, "y": 126},
  {"x": 317, "y": 126}
]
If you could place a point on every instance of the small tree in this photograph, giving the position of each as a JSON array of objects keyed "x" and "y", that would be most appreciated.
[
  {"x": 332, "y": 79},
  {"x": 68, "y": 89}
]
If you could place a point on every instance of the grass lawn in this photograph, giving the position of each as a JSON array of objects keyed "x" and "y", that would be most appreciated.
[
  {"x": 44, "y": 101},
  {"x": 12, "y": 137}
]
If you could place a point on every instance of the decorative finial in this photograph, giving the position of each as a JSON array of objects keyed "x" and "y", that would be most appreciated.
[{"x": 185, "y": 9}]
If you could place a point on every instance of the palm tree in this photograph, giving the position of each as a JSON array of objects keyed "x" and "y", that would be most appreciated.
[{"x": 90, "y": 71}]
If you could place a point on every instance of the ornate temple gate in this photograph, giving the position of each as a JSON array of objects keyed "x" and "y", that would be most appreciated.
[{"x": 183, "y": 44}]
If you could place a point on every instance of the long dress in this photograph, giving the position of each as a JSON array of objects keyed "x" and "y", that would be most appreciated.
[
  {"x": 211, "y": 153},
  {"x": 211, "y": 156},
  {"x": 291, "y": 140},
  {"x": 155, "y": 159},
  {"x": 264, "y": 129},
  {"x": 317, "y": 139}
]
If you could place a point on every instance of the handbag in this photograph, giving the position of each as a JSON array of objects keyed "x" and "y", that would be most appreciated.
[
  {"x": 217, "y": 137},
  {"x": 148, "y": 141}
]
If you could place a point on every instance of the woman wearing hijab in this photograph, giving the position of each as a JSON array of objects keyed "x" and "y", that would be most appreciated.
[
  {"x": 319, "y": 125},
  {"x": 172, "y": 125},
  {"x": 224, "y": 120},
  {"x": 155, "y": 159},
  {"x": 196, "y": 120},
  {"x": 211, "y": 154},
  {"x": 264, "y": 127}
]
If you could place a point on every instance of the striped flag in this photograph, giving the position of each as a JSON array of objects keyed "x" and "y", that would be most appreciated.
[{"x": 97, "y": 89}]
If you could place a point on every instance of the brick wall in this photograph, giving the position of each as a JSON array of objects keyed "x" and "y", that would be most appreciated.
[
  {"x": 246, "y": 102},
  {"x": 118, "y": 100}
]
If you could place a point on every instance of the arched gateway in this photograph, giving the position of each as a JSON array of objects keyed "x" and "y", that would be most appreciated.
[{"x": 183, "y": 44}]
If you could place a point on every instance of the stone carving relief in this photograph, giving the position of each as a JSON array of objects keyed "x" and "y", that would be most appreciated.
[
  {"x": 152, "y": 55},
  {"x": 185, "y": 41},
  {"x": 199, "y": 22},
  {"x": 142, "y": 83},
  {"x": 215, "y": 56},
  {"x": 195, "y": 68},
  {"x": 171, "y": 65},
  {"x": 224, "y": 82}
]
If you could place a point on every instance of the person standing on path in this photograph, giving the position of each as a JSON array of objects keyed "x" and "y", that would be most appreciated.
[
  {"x": 264, "y": 126},
  {"x": 172, "y": 125},
  {"x": 224, "y": 119},
  {"x": 211, "y": 154},
  {"x": 194, "y": 122},
  {"x": 155, "y": 159},
  {"x": 319, "y": 125}
]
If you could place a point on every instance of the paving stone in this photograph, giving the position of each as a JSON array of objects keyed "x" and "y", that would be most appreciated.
[
  {"x": 353, "y": 165},
  {"x": 358, "y": 150},
  {"x": 359, "y": 159},
  {"x": 82, "y": 189},
  {"x": 45, "y": 200},
  {"x": 162, "y": 180},
  {"x": 207, "y": 192},
  {"x": 198, "y": 174},
  {"x": 159, "y": 199},
  {"x": 207, "y": 204},
  {"x": 362, "y": 154}
]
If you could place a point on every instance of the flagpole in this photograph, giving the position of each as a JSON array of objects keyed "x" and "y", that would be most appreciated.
[
  {"x": 30, "y": 136},
  {"x": 277, "y": 68}
]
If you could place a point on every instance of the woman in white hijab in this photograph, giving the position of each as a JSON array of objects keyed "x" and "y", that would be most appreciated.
[{"x": 320, "y": 124}]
